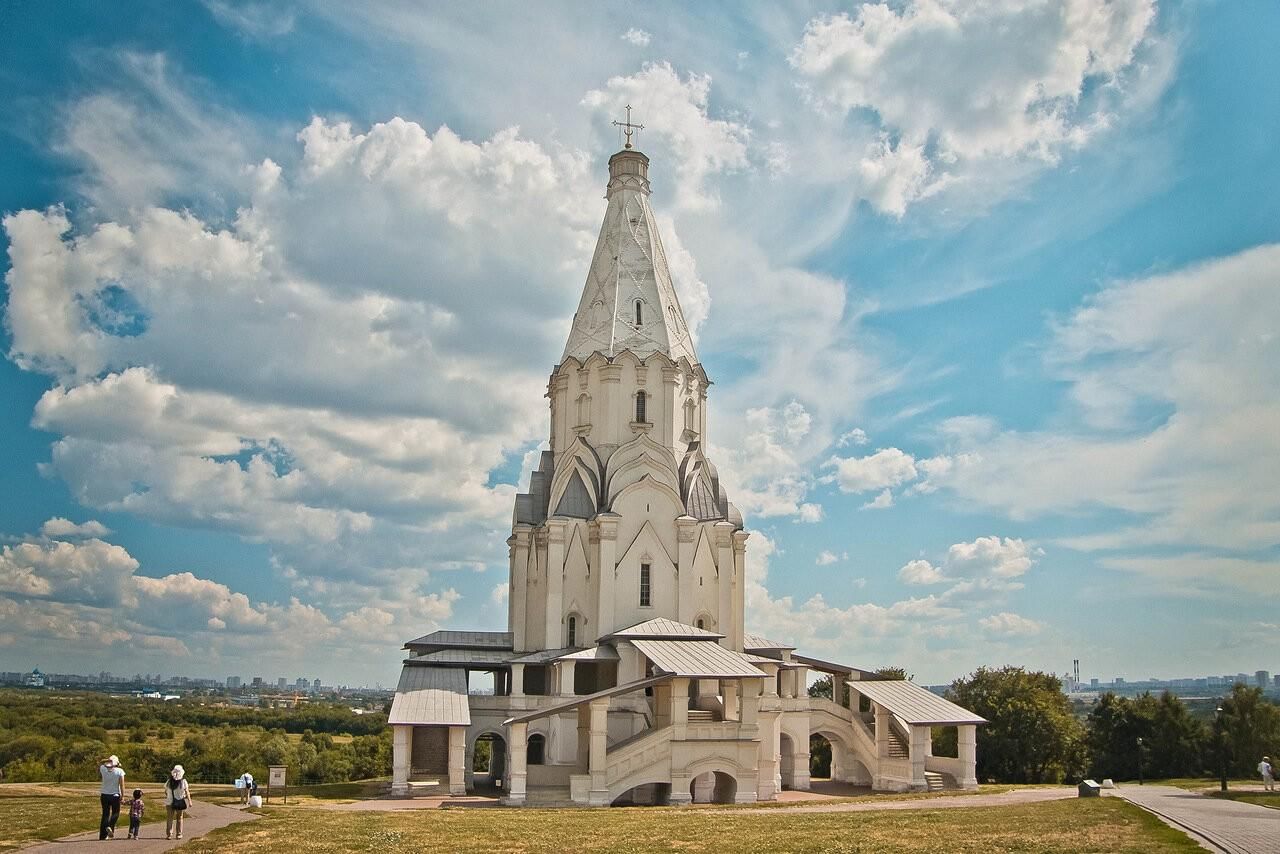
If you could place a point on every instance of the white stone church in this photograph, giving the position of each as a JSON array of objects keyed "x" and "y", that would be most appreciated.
[{"x": 628, "y": 674}]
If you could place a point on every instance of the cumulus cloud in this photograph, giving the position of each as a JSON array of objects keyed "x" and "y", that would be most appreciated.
[
  {"x": 885, "y": 468},
  {"x": 1008, "y": 625},
  {"x": 954, "y": 84},
  {"x": 639, "y": 38},
  {"x": 920, "y": 572},
  {"x": 60, "y": 527},
  {"x": 826, "y": 558}
]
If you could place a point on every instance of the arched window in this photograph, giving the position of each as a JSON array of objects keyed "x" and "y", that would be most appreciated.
[
  {"x": 688, "y": 415},
  {"x": 535, "y": 753},
  {"x": 640, "y": 401},
  {"x": 639, "y": 317},
  {"x": 584, "y": 409},
  {"x": 702, "y": 624},
  {"x": 571, "y": 634},
  {"x": 646, "y": 590}
]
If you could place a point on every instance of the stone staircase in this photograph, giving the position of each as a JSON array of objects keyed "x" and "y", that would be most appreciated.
[
  {"x": 897, "y": 747},
  {"x": 934, "y": 781},
  {"x": 701, "y": 716}
]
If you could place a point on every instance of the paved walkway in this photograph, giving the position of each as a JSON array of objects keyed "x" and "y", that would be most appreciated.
[
  {"x": 202, "y": 818},
  {"x": 1228, "y": 826},
  {"x": 941, "y": 802}
]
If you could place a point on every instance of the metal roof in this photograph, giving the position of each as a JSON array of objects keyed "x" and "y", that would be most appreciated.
[
  {"x": 762, "y": 659},
  {"x": 914, "y": 704},
  {"x": 463, "y": 657},
  {"x": 698, "y": 658},
  {"x": 595, "y": 653},
  {"x": 625, "y": 688},
  {"x": 831, "y": 666},
  {"x": 663, "y": 629},
  {"x": 450, "y": 638},
  {"x": 542, "y": 656},
  {"x": 756, "y": 643},
  {"x": 431, "y": 695}
]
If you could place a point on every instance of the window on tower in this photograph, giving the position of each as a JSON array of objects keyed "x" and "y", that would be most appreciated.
[
  {"x": 640, "y": 402},
  {"x": 571, "y": 638},
  {"x": 646, "y": 589},
  {"x": 639, "y": 317}
]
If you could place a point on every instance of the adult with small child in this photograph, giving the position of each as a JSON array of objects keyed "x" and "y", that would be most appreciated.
[
  {"x": 177, "y": 798},
  {"x": 111, "y": 794}
]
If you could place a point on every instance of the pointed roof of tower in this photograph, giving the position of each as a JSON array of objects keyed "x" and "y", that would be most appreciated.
[{"x": 629, "y": 302}]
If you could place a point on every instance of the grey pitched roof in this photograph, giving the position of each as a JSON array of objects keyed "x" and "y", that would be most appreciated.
[
  {"x": 625, "y": 688},
  {"x": 463, "y": 657},
  {"x": 915, "y": 705},
  {"x": 431, "y": 695},
  {"x": 448, "y": 638},
  {"x": 662, "y": 628},
  {"x": 832, "y": 667},
  {"x": 695, "y": 658},
  {"x": 756, "y": 643},
  {"x": 542, "y": 656},
  {"x": 594, "y": 653}
]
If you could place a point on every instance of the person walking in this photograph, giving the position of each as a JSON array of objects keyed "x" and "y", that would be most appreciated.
[
  {"x": 136, "y": 808},
  {"x": 111, "y": 794},
  {"x": 1268, "y": 772},
  {"x": 177, "y": 798},
  {"x": 246, "y": 790}
]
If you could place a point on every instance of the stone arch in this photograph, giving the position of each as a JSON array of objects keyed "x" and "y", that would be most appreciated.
[
  {"x": 494, "y": 771},
  {"x": 637, "y": 458}
]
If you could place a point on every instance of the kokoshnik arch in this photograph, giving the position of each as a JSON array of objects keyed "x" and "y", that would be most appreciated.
[{"x": 627, "y": 674}]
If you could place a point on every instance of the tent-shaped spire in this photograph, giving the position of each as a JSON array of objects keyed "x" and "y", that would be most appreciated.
[{"x": 629, "y": 302}]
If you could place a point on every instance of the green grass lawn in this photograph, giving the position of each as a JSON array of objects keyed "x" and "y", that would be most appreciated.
[
  {"x": 1071, "y": 826},
  {"x": 34, "y": 813}
]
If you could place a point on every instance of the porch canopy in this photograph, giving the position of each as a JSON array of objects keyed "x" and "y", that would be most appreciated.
[
  {"x": 912, "y": 704},
  {"x": 430, "y": 696},
  {"x": 699, "y": 659},
  {"x": 584, "y": 699}
]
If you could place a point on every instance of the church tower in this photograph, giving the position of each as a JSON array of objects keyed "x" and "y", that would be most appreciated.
[{"x": 626, "y": 519}]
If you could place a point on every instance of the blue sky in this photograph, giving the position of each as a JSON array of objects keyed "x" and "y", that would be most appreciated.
[{"x": 988, "y": 292}]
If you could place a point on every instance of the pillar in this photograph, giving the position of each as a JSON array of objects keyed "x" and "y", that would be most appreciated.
[
  {"x": 679, "y": 707},
  {"x": 517, "y": 680},
  {"x": 457, "y": 760},
  {"x": 686, "y": 579},
  {"x": 597, "y": 763},
  {"x": 882, "y": 731},
  {"x": 770, "y": 687},
  {"x": 517, "y": 615},
  {"x": 557, "y": 529},
  {"x": 918, "y": 750},
  {"x": 724, "y": 583},
  {"x": 518, "y": 739},
  {"x": 401, "y": 759},
  {"x": 584, "y": 739},
  {"x": 661, "y": 705},
  {"x": 967, "y": 743},
  {"x": 566, "y": 671},
  {"x": 729, "y": 692},
  {"x": 736, "y": 628},
  {"x": 608, "y": 531}
]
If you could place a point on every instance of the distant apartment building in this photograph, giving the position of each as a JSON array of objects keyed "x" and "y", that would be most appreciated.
[
  {"x": 1093, "y": 683},
  {"x": 233, "y": 682},
  {"x": 282, "y": 684},
  {"x": 1262, "y": 678},
  {"x": 256, "y": 683},
  {"x": 315, "y": 685}
]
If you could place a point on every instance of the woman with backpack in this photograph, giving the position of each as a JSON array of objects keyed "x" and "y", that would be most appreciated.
[{"x": 177, "y": 797}]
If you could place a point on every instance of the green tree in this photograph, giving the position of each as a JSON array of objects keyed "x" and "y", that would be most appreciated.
[
  {"x": 1250, "y": 726},
  {"x": 1031, "y": 735}
]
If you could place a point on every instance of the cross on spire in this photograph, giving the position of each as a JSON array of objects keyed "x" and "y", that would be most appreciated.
[{"x": 627, "y": 127}]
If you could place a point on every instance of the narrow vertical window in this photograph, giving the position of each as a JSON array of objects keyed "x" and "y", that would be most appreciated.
[
  {"x": 639, "y": 318},
  {"x": 573, "y": 632},
  {"x": 646, "y": 592},
  {"x": 640, "y": 401},
  {"x": 701, "y": 623}
]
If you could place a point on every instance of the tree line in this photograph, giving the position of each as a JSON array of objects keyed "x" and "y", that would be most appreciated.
[
  {"x": 63, "y": 737},
  {"x": 1035, "y": 734}
]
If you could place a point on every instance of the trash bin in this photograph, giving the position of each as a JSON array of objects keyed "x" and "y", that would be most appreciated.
[
  {"x": 1090, "y": 789},
  {"x": 255, "y": 801}
]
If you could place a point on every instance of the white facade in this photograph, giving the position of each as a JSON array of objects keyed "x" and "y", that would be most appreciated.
[{"x": 627, "y": 673}]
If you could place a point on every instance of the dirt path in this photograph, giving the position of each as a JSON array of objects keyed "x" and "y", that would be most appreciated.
[{"x": 200, "y": 819}]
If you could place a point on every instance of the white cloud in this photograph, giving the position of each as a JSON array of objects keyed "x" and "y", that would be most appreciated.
[
  {"x": 1008, "y": 625},
  {"x": 920, "y": 572},
  {"x": 856, "y": 436},
  {"x": 810, "y": 513},
  {"x": 60, "y": 527},
  {"x": 637, "y": 37},
  {"x": 826, "y": 558},
  {"x": 256, "y": 20},
  {"x": 500, "y": 594},
  {"x": 887, "y": 467},
  {"x": 990, "y": 556},
  {"x": 880, "y": 502}
]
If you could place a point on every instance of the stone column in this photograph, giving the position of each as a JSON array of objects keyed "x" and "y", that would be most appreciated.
[
  {"x": 739, "y": 597},
  {"x": 882, "y": 731},
  {"x": 608, "y": 531},
  {"x": 687, "y": 580},
  {"x": 597, "y": 759},
  {"x": 967, "y": 743},
  {"x": 679, "y": 707},
  {"x": 566, "y": 671},
  {"x": 556, "y": 531},
  {"x": 770, "y": 687},
  {"x": 671, "y": 413},
  {"x": 613, "y": 416},
  {"x": 661, "y": 705},
  {"x": 401, "y": 759},
  {"x": 517, "y": 680},
  {"x": 517, "y": 613},
  {"x": 518, "y": 738},
  {"x": 457, "y": 760},
  {"x": 584, "y": 739},
  {"x": 724, "y": 584},
  {"x": 918, "y": 750},
  {"x": 729, "y": 691}
]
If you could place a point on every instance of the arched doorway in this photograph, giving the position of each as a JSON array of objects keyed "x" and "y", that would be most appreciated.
[
  {"x": 488, "y": 762},
  {"x": 536, "y": 752},
  {"x": 820, "y": 758},
  {"x": 786, "y": 760},
  {"x": 714, "y": 787},
  {"x": 646, "y": 795}
]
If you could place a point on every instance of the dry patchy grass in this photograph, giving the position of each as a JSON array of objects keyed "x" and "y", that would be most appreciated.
[
  {"x": 35, "y": 812},
  {"x": 1060, "y": 827}
]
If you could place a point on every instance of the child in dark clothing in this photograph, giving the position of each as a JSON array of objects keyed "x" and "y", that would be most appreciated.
[{"x": 135, "y": 814}]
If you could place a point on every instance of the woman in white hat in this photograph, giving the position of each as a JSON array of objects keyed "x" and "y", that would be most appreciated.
[
  {"x": 111, "y": 793},
  {"x": 177, "y": 797}
]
